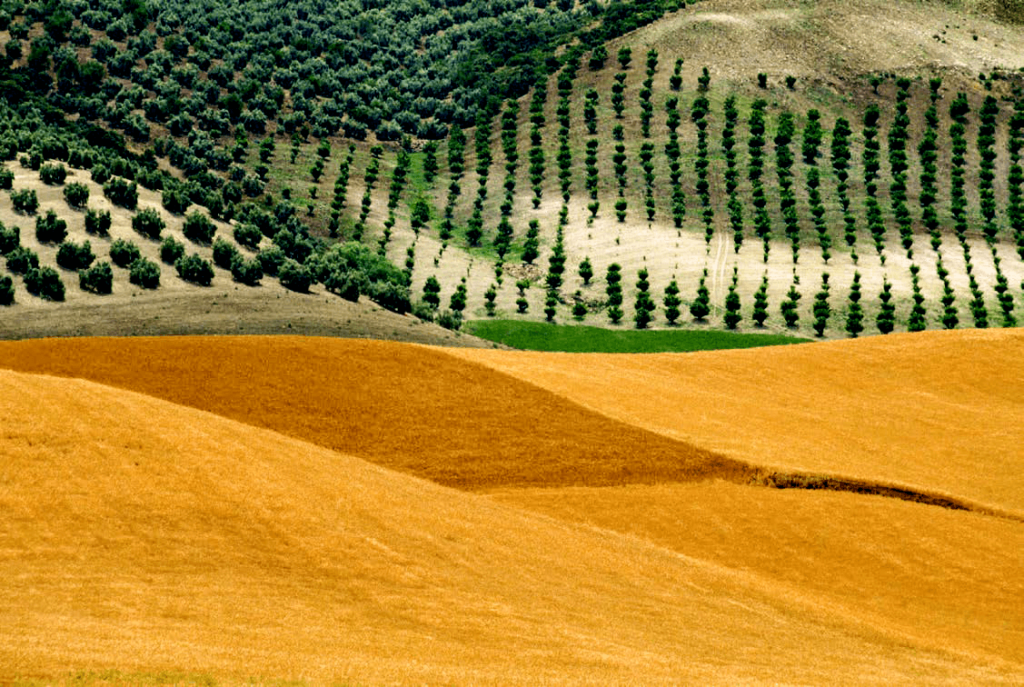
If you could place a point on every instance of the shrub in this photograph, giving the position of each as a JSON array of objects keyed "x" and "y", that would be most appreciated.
[
  {"x": 294, "y": 276},
  {"x": 349, "y": 269},
  {"x": 6, "y": 290},
  {"x": 122, "y": 193},
  {"x": 271, "y": 258},
  {"x": 248, "y": 235},
  {"x": 149, "y": 223},
  {"x": 194, "y": 269},
  {"x": 100, "y": 174},
  {"x": 248, "y": 272},
  {"x": 76, "y": 194},
  {"x": 97, "y": 222},
  {"x": 25, "y": 201},
  {"x": 21, "y": 260},
  {"x": 45, "y": 283},
  {"x": 98, "y": 279},
  {"x": 124, "y": 253},
  {"x": 145, "y": 274},
  {"x": 171, "y": 249},
  {"x": 224, "y": 253},
  {"x": 450, "y": 319},
  {"x": 198, "y": 228},
  {"x": 10, "y": 238},
  {"x": 51, "y": 229},
  {"x": 72, "y": 256},
  {"x": 53, "y": 174},
  {"x": 176, "y": 201},
  {"x": 6, "y": 179}
]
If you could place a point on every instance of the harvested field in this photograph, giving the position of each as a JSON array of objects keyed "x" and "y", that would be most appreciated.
[
  {"x": 146, "y": 536},
  {"x": 209, "y": 506}
]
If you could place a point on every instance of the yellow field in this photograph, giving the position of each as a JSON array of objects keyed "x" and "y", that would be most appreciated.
[{"x": 269, "y": 508}]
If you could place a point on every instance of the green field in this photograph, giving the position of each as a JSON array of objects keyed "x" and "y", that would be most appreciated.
[{"x": 540, "y": 336}]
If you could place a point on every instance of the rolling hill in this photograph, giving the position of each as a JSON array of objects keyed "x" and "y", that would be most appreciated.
[{"x": 588, "y": 538}]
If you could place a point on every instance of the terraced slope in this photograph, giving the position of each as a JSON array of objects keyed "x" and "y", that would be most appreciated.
[{"x": 145, "y": 536}]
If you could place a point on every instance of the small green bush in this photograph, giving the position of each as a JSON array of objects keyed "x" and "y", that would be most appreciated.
[
  {"x": 124, "y": 253},
  {"x": 98, "y": 279},
  {"x": 21, "y": 260},
  {"x": 145, "y": 273},
  {"x": 6, "y": 290},
  {"x": 100, "y": 174},
  {"x": 53, "y": 174},
  {"x": 76, "y": 194},
  {"x": 295, "y": 276},
  {"x": 122, "y": 193},
  {"x": 194, "y": 269},
  {"x": 50, "y": 228},
  {"x": 248, "y": 235},
  {"x": 72, "y": 256},
  {"x": 271, "y": 258},
  {"x": 176, "y": 201},
  {"x": 224, "y": 253},
  {"x": 45, "y": 283},
  {"x": 6, "y": 179},
  {"x": 198, "y": 228},
  {"x": 171, "y": 249},
  {"x": 10, "y": 238},
  {"x": 25, "y": 201},
  {"x": 149, "y": 223},
  {"x": 97, "y": 222},
  {"x": 248, "y": 272}
]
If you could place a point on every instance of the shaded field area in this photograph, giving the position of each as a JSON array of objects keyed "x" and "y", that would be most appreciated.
[
  {"x": 541, "y": 336},
  {"x": 410, "y": 408},
  {"x": 224, "y": 507}
]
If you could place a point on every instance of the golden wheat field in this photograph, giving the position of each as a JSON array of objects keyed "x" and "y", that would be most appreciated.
[{"x": 268, "y": 509}]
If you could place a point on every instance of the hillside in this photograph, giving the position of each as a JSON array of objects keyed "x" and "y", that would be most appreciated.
[
  {"x": 151, "y": 538},
  {"x": 871, "y": 183},
  {"x": 273, "y": 565}
]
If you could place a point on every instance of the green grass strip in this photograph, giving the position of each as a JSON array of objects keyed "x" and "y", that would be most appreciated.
[{"x": 541, "y": 336}]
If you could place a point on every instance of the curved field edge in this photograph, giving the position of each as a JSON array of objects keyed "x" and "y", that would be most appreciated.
[
  {"x": 934, "y": 412},
  {"x": 406, "y": 407},
  {"x": 438, "y": 416},
  {"x": 144, "y": 536},
  {"x": 541, "y": 336}
]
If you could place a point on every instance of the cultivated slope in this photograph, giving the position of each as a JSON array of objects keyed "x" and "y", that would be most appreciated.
[
  {"x": 177, "y": 307},
  {"x": 937, "y": 411},
  {"x": 144, "y": 536}
]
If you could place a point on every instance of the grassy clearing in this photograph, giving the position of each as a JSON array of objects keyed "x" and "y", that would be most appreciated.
[{"x": 541, "y": 336}]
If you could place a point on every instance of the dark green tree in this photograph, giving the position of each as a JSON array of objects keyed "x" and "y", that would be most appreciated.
[{"x": 701, "y": 305}]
